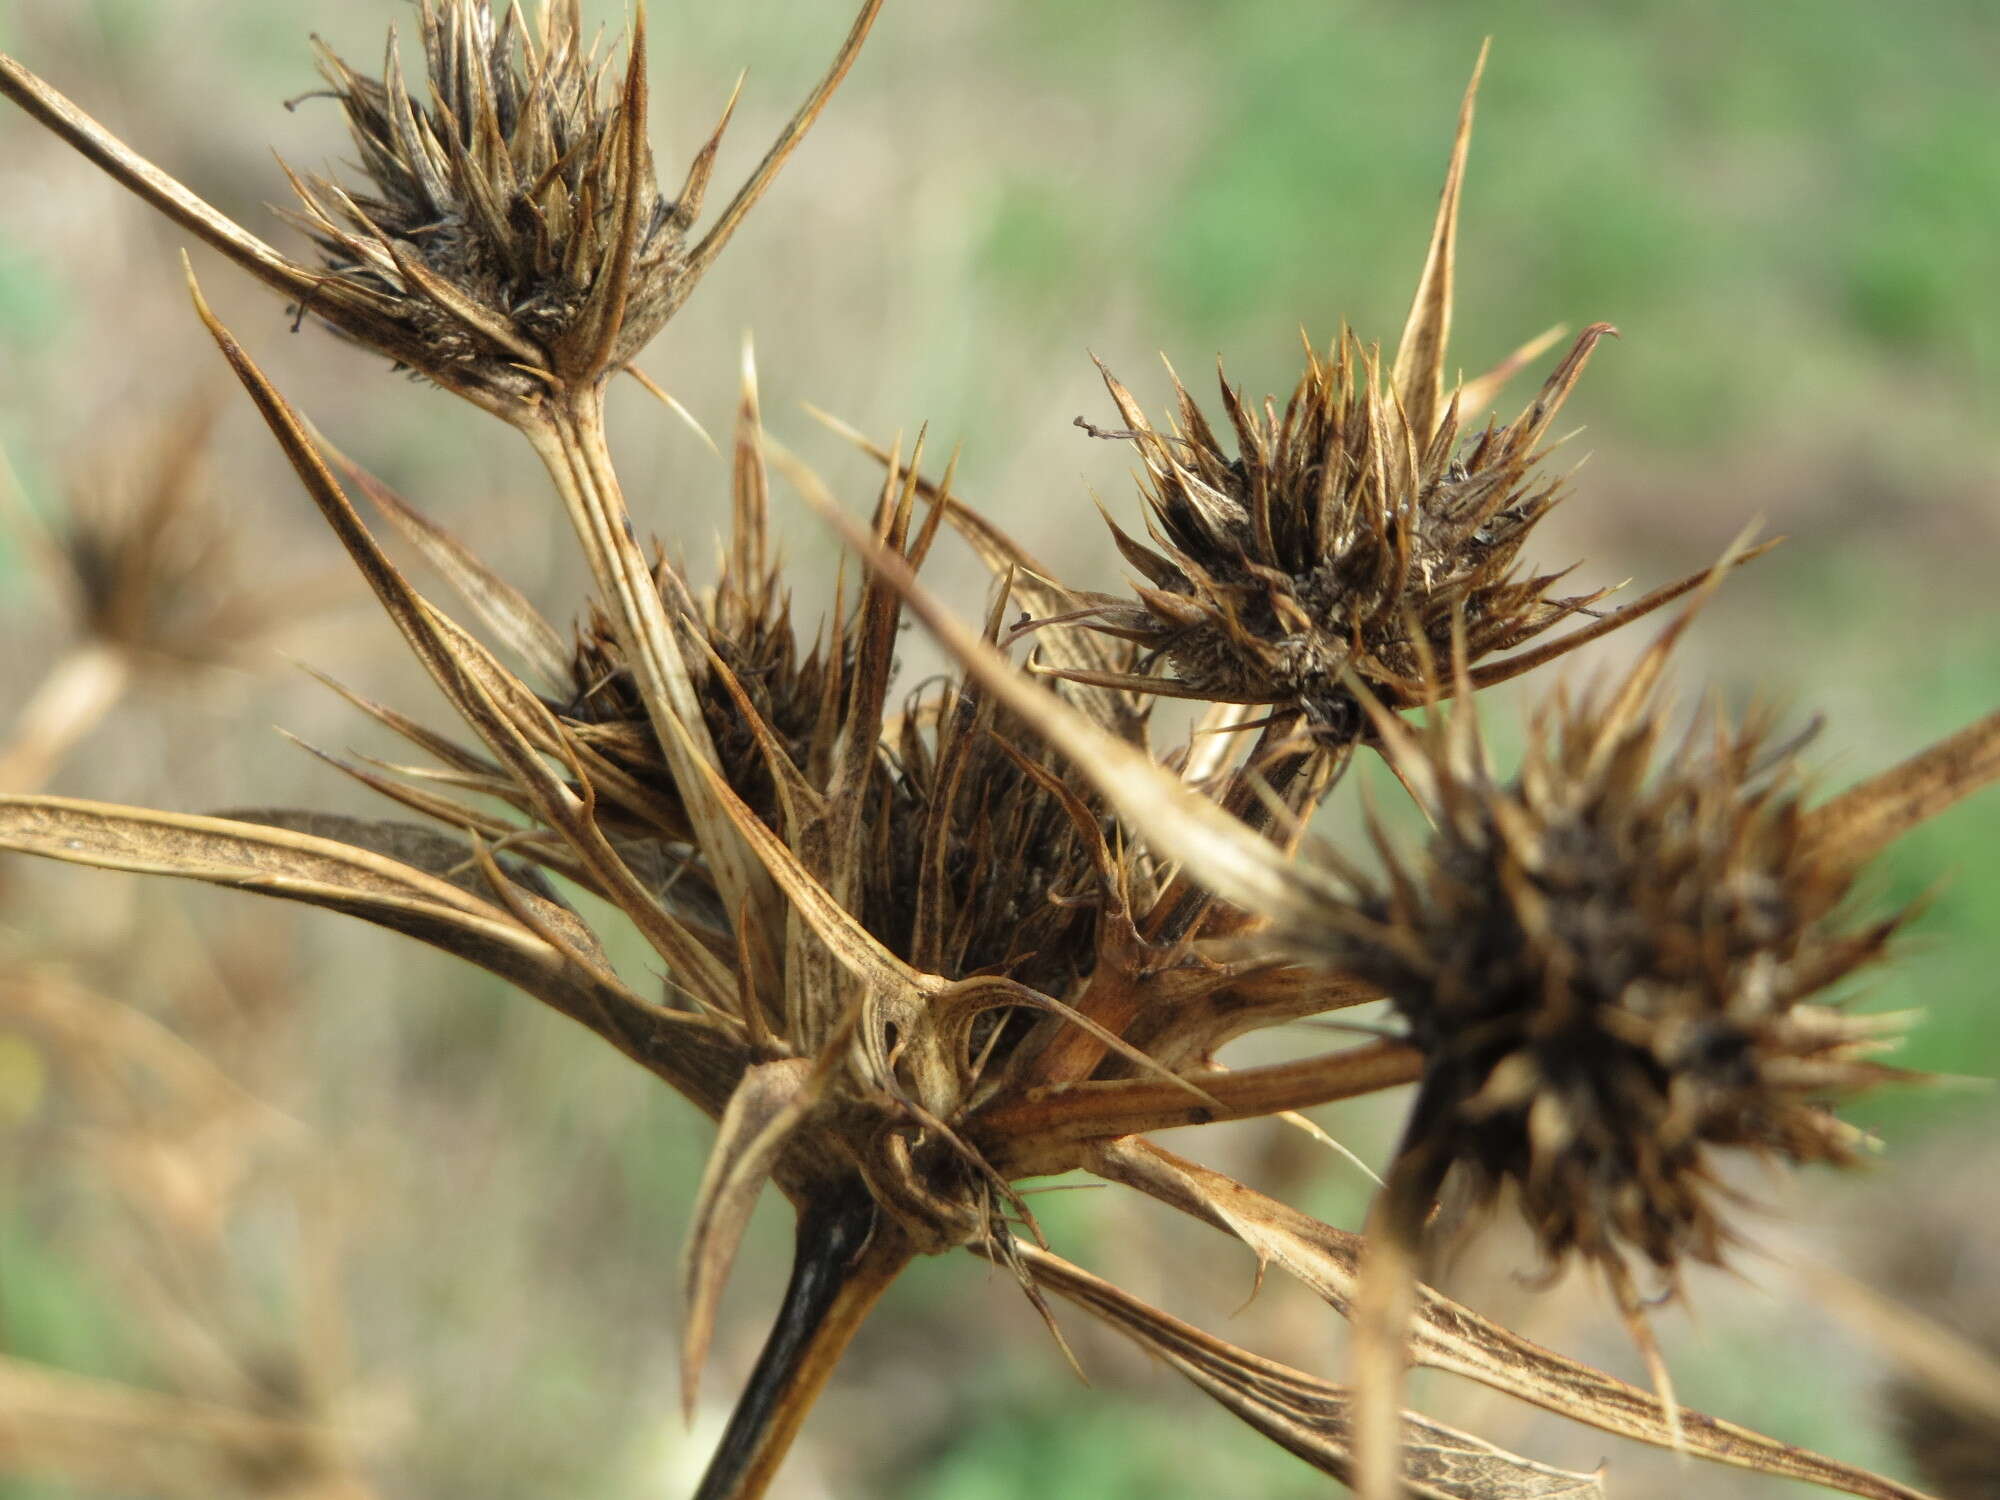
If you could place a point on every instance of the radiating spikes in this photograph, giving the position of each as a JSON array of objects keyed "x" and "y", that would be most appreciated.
[
  {"x": 694, "y": 191},
  {"x": 1419, "y": 375},
  {"x": 1533, "y": 424},
  {"x": 720, "y": 233},
  {"x": 1867, "y": 818},
  {"x": 1526, "y": 661},
  {"x": 602, "y": 321},
  {"x": 1133, "y": 414},
  {"x": 750, "y": 483},
  {"x": 1479, "y": 393}
]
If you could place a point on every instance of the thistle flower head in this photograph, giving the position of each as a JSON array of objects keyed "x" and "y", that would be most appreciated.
[
  {"x": 1346, "y": 535},
  {"x": 510, "y": 239},
  {"x": 510, "y": 222},
  {"x": 1613, "y": 964},
  {"x": 1337, "y": 537}
]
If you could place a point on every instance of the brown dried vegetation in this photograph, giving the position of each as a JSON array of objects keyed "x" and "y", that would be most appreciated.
[{"x": 922, "y": 944}]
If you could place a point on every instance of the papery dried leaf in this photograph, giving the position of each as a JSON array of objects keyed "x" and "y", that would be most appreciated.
[
  {"x": 731, "y": 218},
  {"x": 1057, "y": 1120},
  {"x": 690, "y": 1052},
  {"x": 766, "y": 1108},
  {"x": 1419, "y": 374},
  {"x": 1308, "y": 1417},
  {"x": 1446, "y": 1336},
  {"x": 516, "y": 725},
  {"x": 411, "y": 844},
  {"x": 1869, "y": 817}
]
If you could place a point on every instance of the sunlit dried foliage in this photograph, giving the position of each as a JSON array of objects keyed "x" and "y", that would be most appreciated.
[{"x": 920, "y": 943}]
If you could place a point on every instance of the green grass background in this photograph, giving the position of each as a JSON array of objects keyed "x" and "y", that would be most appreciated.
[{"x": 1785, "y": 207}]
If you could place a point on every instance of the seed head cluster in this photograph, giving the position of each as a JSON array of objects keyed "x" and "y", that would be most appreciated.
[
  {"x": 1335, "y": 538},
  {"x": 505, "y": 215},
  {"x": 1612, "y": 969},
  {"x": 912, "y": 944}
]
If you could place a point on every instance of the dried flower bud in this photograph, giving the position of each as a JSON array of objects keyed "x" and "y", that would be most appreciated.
[
  {"x": 1612, "y": 970},
  {"x": 1354, "y": 533},
  {"x": 511, "y": 222},
  {"x": 1336, "y": 538},
  {"x": 975, "y": 842},
  {"x": 511, "y": 237}
]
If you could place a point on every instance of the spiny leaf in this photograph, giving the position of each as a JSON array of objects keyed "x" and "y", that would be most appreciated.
[
  {"x": 1419, "y": 375},
  {"x": 1306, "y": 1416},
  {"x": 692, "y": 1053},
  {"x": 503, "y": 609},
  {"x": 1869, "y": 817},
  {"x": 413, "y": 844},
  {"x": 1446, "y": 1336}
]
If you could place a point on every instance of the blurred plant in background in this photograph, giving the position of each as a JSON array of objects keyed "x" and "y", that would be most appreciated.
[{"x": 1241, "y": 221}]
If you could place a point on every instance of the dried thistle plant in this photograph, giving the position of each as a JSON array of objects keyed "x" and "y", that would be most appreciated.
[
  {"x": 920, "y": 949},
  {"x": 151, "y": 579}
]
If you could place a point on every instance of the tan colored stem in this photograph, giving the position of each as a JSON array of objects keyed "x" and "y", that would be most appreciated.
[
  {"x": 71, "y": 701},
  {"x": 1134, "y": 1106},
  {"x": 569, "y": 439},
  {"x": 141, "y": 177}
]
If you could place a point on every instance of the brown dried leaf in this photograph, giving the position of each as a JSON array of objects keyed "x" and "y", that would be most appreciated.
[
  {"x": 1867, "y": 818},
  {"x": 412, "y": 844},
  {"x": 516, "y": 726},
  {"x": 762, "y": 1114},
  {"x": 1306, "y": 1416},
  {"x": 731, "y": 219},
  {"x": 691, "y": 1053},
  {"x": 1419, "y": 375},
  {"x": 1446, "y": 1336},
  {"x": 501, "y": 607}
]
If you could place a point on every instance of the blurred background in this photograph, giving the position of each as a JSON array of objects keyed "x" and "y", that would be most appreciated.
[{"x": 290, "y": 1208}]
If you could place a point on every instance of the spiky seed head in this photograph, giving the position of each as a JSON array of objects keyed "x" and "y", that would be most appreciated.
[
  {"x": 148, "y": 557},
  {"x": 1613, "y": 969},
  {"x": 510, "y": 230},
  {"x": 1336, "y": 538},
  {"x": 978, "y": 865}
]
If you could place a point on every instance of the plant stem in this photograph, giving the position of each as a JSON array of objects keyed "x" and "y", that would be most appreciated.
[
  {"x": 1055, "y": 1122},
  {"x": 71, "y": 701},
  {"x": 567, "y": 434},
  {"x": 846, "y": 1258}
]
